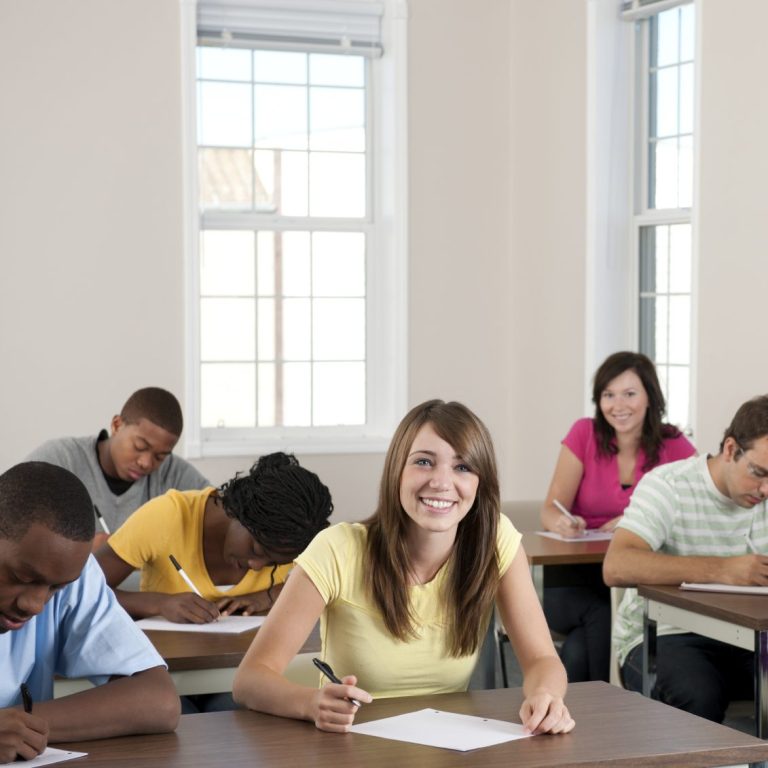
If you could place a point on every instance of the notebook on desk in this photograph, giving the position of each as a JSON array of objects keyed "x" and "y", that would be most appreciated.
[{"x": 593, "y": 535}]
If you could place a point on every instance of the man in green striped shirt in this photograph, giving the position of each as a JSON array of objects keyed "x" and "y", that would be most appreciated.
[{"x": 703, "y": 519}]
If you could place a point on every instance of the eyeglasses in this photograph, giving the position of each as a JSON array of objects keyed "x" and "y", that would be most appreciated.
[{"x": 755, "y": 471}]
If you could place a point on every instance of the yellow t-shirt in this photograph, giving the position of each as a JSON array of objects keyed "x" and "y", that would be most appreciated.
[
  {"x": 172, "y": 524},
  {"x": 354, "y": 637}
]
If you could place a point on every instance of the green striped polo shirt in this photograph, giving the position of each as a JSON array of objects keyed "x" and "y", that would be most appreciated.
[{"x": 677, "y": 509}]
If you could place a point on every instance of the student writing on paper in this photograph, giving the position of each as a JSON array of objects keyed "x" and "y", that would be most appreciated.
[
  {"x": 235, "y": 544},
  {"x": 406, "y": 596},
  {"x": 699, "y": 520},
  {"x": 600, "y": 461},
  {"x": 133, "y": 462},
  {"x": 58, "y": 617}
]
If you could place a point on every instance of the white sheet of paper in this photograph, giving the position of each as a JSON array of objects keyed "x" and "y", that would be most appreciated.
[
  {"x": 49, "y": 757},
  {"x": 589, "y": 535},
  {"x": 736, "y": 589},
  {"x": 226, "y": 625},
  {"x": 447, "y": 730}
]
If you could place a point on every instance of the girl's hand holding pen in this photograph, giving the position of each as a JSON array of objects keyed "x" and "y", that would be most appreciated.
[
  {"x": 187, "y": 608},
  {"x": 335, "y": 705}
]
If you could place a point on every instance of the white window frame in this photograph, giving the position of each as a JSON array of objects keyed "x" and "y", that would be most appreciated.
[
  {"x": 386, "y": 263},
  {"x": 642, "y": 215},
  {"x": 614, "y": 169}
]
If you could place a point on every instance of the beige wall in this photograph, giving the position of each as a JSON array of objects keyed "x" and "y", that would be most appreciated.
[
  {"x": 91, "y": 231},
  {"x": 733, "y": 213}
]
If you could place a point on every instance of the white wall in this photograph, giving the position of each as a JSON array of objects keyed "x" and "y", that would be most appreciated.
[
  {"x": 733, "y": 213},
  {"x": 91, "y": 236}
]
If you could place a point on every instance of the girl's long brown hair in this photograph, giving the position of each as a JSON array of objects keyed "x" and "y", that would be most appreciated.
[{"x": 473, "y": 575}]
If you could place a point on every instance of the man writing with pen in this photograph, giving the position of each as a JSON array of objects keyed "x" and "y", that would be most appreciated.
[{"x": 57, "y": 616}]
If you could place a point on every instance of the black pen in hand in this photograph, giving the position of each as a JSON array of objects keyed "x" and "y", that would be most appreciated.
[
  {"x": 26, "y": 698},
  {"x": 328, "y": 672}
]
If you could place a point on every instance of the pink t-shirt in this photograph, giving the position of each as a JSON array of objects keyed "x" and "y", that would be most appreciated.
[{"x": 600, "y": 496}]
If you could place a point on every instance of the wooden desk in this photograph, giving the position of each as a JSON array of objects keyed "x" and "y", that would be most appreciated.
[
  {"x": 205, "y": 663},
  {"x": 614, "y": 728},
  {"x": 740, "y": 620},
  {"x": 541, "y": 550}
]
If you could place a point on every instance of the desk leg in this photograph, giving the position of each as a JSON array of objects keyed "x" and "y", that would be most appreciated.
[
  {"x": 649, "y": 653},
  {"x": 761, "y": 684}
]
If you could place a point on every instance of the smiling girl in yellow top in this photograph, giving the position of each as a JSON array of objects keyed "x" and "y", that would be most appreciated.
[{"x": 406, "y": 596}]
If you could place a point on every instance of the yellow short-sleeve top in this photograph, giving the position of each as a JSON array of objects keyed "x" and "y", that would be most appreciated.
[
  {"x": 354, "y": 638},
  {"x": 172, "y": 524}
]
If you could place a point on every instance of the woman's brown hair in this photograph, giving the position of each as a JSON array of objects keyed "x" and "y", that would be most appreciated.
[{"x": 473, "y": 574}]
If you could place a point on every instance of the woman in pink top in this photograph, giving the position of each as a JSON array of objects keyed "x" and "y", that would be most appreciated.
[{"x": 600, "y": 463}]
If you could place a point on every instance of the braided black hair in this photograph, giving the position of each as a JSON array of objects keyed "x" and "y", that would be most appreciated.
[{"x": 281, "y": 504}]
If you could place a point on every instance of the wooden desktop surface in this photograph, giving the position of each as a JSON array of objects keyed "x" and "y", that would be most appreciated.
[
  {"x": 184, "y": 651},
  {"x": 614, "y": 728},
  {"x": 541, "y": 550},
  {"x": 749, "y": 611}
]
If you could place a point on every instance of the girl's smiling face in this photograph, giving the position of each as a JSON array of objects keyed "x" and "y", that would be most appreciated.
[{"x": 437, "y": 486}]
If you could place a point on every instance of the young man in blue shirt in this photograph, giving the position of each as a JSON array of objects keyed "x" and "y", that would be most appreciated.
[{"x": 57, "y": 616}]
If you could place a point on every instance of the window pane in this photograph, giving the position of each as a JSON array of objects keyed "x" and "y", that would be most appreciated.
[
  {"x": 668, "y": 32},
  {"x": 338, "y": 264},
  {"x": 680, "y": 330},
  {"x": 332, "y": 69},
  {"x": 296, "y": 329},
  {"x": 337, "y": 185},
  {"x": 664, "y": 174},
  {"x": 680, "y": 261},
  {"x": 266, "y": 263},
  {"x": 339, "y": 394},
  {"x": 266, "y": 329},
  {"x": 686, "y": 98},
  {"x": 648, "y": 326},
  {"x": 296, "y": 277},
  {"x": 280, "y": 67},
  {"x": 293, "y": 199},
  {"x": 227, "y": 395},
  {"x": 685, "y": 170},
  {"x": 662, "y": 259},
  {"x": 687, "y": 32},
  {"x": 281, "y": 182},
  {"x": 226, "y": 263},
  {"x": 227, "y": 329},
  {"x": 666, "y": 103},
  {"x": 223, "y": 63},
  {"x": 678, "y": 395},
  {"x": 266, "y": 394},
  {"x": 224, "y": 114},
  {"x": 280, "y": 116},
  {"x": 339, "y": 329},
  {"x": 337, "y": 119},
  {"x": 226, "y": 179},
  {"x": 662, "y": 327},
  {"x": 297, "y": 394}
]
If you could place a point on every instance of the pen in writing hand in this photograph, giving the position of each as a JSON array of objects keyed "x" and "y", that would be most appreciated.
[
  {"x": 184, "y": 576},
  {"x": 26, "y": 698},
  {"x": 328, "y": 672},
  {"x": 565, "y": 511},
  {"x": 102, "y": 521}
]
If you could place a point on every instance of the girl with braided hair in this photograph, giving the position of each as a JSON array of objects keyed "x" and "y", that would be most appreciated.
[
  {"x": 405, "y": 597},
  {"x": 236, "y": 543}
]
